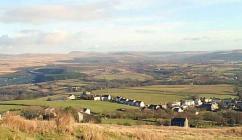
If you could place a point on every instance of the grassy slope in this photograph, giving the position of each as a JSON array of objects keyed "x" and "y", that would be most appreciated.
[
  {"x": 10, "y": 134},
  {"x": 149, "y": 94},
  {"x": 115, "y": 132},
  {"x": 167, "y": 93},
  {"x": 95, "y": 106}
]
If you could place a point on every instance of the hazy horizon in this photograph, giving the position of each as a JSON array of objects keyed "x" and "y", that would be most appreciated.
[{"x": 63, "y": 26}]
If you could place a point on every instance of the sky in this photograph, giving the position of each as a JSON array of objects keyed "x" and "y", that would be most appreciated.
[{"x": 62, "y": 26}]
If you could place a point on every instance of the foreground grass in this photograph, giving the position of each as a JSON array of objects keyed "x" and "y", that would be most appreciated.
[
  {"x": 115, "y": 132},
  {"x": 10, "y": 134},
  {"x": 169, "y": 93},
  {"x": 110, "y": 132}
]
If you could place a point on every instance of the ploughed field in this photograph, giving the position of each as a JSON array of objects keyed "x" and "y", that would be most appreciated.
[{"x": 168, "y": 93}]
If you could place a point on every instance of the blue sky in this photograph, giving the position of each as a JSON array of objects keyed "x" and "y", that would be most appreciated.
[{"x": 60, "y": 26}]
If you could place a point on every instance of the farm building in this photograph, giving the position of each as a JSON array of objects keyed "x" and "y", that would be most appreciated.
[
  {"x": 71, "y": 97},
  {"x": 80, "y": 116},
  {"x": 182, "y": 122},
  {"x": 82, "y": 113},
  {"x": 87, "y": 111}
]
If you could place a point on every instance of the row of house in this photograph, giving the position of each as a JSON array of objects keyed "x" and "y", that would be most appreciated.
[
  {"x": 211, "y": 104},
  {"x": 89, "y": 96},
  {"x": 130, "y": 102}
]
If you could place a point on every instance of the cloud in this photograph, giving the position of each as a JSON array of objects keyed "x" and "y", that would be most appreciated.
[
  {"x": 46, "y": 13},
  {"x": 34, "y": 38},
  {"x": 203, "y": 38}
]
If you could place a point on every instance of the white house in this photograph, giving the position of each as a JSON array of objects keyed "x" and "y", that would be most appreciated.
[
  {"x": 188, "y": 103},
  {"x": 207, "y": 100},
  {"x": 164, "y": 106},
  {"x": 80, "y": 116},
  {"x": 106, "y": 97},
  {"x": 71, "y": 97},
  {"x": 87, "y": 111},
  {"x": 174, "y": 104},
  {"x": 198, "y": 102},
  {"x": 184, "y": 107},
  {"x": 139, "y": 104},
  {"x": 118, "y": 98},
  {"x": 96, "y": 98}
]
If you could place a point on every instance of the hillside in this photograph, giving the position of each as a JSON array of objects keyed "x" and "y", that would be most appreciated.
[
  {"x": 117, "y": 132},
  {"x": 222, "y": 56}
]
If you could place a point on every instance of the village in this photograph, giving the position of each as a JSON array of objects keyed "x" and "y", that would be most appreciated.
[
  {"x": 86, "y": 115},
  {"x": 209, "y": 104}
]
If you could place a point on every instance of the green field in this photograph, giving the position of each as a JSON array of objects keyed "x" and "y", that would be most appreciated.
[
  {"x": 127, "y": 122},
  {"x": 168, "y": 93},
  {"x": 95, "y": 106},
  {"x": 11, "y": 134},
  {"x": 4, "y": 108}
]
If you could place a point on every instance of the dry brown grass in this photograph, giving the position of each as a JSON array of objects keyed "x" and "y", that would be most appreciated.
[
  {"x": 29, "y": 126},
  {"x": 101, "y": 132},
  {"x": 62, "y": 124}
]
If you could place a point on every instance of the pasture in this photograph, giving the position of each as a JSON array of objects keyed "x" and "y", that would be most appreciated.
[{"x": 95, "y": 106}]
